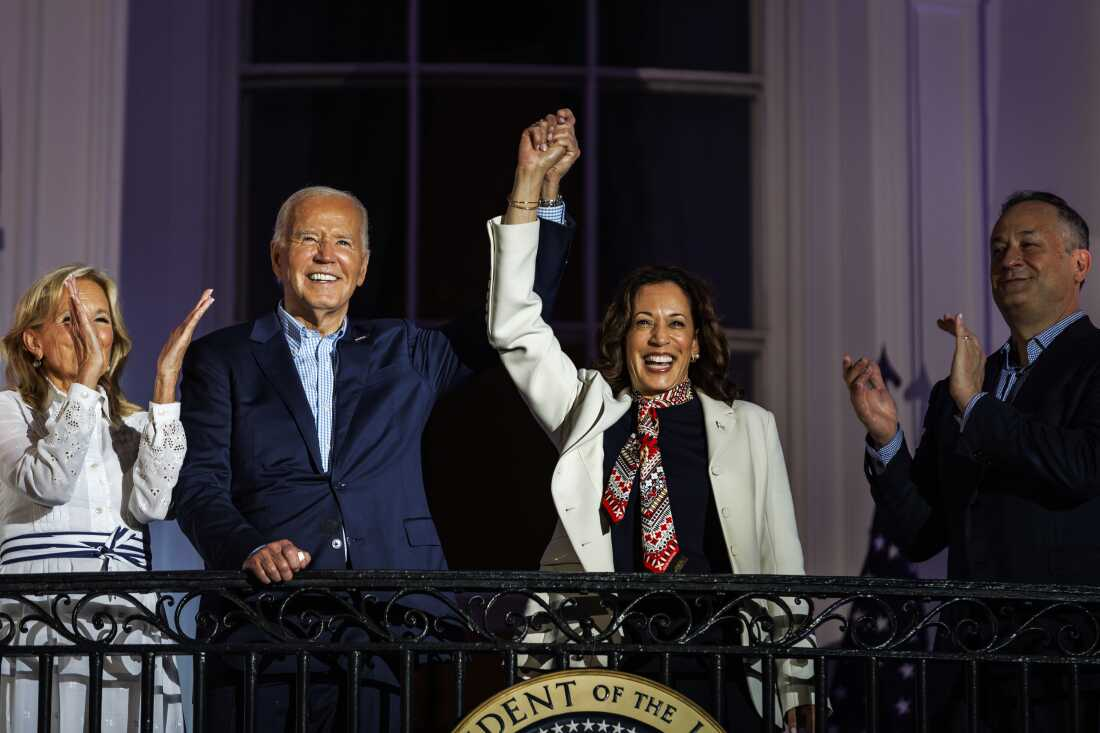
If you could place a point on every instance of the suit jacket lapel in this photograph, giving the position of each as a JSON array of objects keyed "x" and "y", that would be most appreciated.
[
  {"x": 352, "y": 368},
  {"x": 720, "y": 422},
  {"x": 1054, "y": 364},
  {"x": 272, "y": 354}
]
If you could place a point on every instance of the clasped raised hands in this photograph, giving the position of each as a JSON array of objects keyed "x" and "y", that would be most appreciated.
[{"x": 547, "y": 150}]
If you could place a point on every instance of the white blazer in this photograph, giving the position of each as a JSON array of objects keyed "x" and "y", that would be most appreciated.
[{"x": 575, "y": 406}]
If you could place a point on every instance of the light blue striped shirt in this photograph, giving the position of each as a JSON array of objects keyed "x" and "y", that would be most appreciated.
[
  {"x": 314, "y": 357},
  {"x": 1010, "y": 374}
]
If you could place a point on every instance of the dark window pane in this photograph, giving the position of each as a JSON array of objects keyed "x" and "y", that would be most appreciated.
[
  {"x": 502, "y": 32},
  {"x": 318, "y": 31},
  {"x": 680, "y": 199},
  {"x": 468, "y": 158},
  {"x": 741, "y": 373},
  {"x": 710, "y": 35},
  {"x": 351, "y": 140}
]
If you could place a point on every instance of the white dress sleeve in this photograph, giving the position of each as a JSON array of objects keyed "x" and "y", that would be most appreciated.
[
  {"x": 45, "y": 467},
  {"x": 159, "y": 458}
]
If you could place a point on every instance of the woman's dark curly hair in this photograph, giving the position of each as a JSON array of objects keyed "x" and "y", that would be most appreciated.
[{"x": 709, "y": 374}]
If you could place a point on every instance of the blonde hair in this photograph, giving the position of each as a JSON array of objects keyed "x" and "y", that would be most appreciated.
[{"x": 34, "y": 309}]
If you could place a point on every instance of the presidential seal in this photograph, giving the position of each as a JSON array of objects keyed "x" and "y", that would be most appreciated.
[{"x": 588, "y": 701}]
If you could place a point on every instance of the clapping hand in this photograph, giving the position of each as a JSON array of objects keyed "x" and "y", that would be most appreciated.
[
  {"x": 171, "y": 355},
  {"x": 92, "y": 362},
  {"x": 968, "y": 362},
  {"x": 872, "y": 402}
]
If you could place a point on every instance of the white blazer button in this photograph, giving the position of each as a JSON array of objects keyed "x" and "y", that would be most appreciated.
[
  {"x": 715, "y": 470},
  {"x": 732, "y": 552},
  {"x": 336, "y": 544},
  {"x": 725, "y": 511}
]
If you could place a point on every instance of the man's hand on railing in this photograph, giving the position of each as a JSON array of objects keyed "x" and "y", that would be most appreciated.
[{"x": 277, "y": 561}]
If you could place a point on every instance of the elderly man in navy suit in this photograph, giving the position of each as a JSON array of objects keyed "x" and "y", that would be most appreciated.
[{"x": 304, "y": 428}]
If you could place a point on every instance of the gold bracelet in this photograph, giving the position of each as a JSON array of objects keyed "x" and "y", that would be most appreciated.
[{"x": 516, "y": 205}]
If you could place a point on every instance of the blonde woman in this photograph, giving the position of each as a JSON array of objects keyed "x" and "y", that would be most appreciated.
[{"x": 82, "y": 471}]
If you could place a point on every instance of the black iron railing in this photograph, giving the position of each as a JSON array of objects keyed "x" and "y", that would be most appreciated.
[{"x": 483, "y": 629}]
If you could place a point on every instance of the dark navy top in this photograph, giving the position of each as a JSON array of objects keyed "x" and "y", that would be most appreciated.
[{"x": 683, "y": 442}]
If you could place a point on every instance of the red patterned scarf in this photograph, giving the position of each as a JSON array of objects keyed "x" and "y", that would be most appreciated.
[{"x": 659, "y": 543}]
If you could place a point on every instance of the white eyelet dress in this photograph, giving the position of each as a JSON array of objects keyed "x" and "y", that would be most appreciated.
[{"x": 75, "y": 494}]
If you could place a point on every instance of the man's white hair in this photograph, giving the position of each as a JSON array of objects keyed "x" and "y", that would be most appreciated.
[{"x": 281, "y": 235}]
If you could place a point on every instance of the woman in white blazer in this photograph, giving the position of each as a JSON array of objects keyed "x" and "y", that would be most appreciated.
[{"x": 661, "y": 469}]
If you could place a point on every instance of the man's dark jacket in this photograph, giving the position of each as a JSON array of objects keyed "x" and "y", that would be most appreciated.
[{"x": 1016, "y": 495}]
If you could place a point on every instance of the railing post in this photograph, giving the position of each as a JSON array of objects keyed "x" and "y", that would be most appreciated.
[
  {"x": 95, "y": 693},
  {"x": 251, "y": 672},
  {"x": 406, "y": 690},
  {"x": 821, "y": 691},
  {"x": 872, "y": 695},
  {"x": 767, "y": 667},
  {"x": 972, "y": 696},
  {"x": 509, "y": 667},
  {"x": 301, "y": 697},
  {"x": 716, "y": 681},
  {"x": 355, "y": 666},
  {"x": 45, "y": 692},
  {"x": 460, "y": 685},
  {"x": 198, "y": 681},
  {"x": 148, "y": 672}
]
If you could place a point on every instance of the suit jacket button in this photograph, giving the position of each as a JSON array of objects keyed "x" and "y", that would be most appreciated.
[
  {"x": 336, "y": 544},
  {"x": 715, "y": 471},
  {"x": 725, "y": 511}
]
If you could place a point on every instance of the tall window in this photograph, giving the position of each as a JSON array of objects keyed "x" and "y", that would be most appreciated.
[{"x": 417, "y": 109}]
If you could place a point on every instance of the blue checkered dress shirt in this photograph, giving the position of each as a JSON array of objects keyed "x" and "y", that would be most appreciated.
[
  {"x": 314, "y": 357},
  {"x": 1010, "y": 373}
]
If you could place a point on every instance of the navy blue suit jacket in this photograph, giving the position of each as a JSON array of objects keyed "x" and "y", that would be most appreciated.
[{"x": 253, "y": 472}]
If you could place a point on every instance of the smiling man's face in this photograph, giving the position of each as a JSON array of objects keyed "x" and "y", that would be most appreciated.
[
  {"x": 1034, "y": 275},
  {"x": 322, "y": 262}
]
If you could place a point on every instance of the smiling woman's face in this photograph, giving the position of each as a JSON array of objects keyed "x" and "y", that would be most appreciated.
[{"x": 661, "y": 340}]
